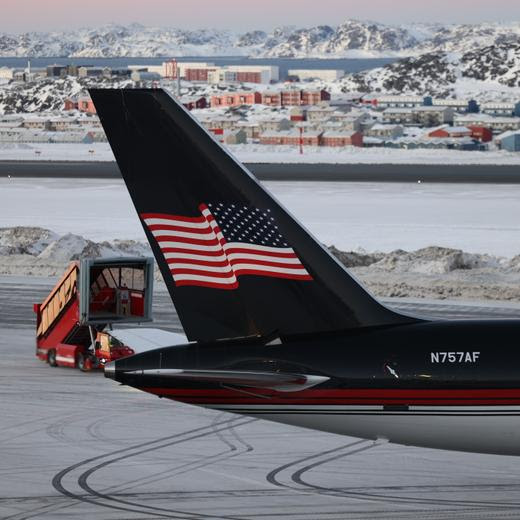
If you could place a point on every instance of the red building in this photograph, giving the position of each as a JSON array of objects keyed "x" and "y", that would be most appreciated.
[
  {"x": 342, "y": 139},
  {"x": 198, "y": 74},
  {"x": 291, "y": 98},
  {"x": 293, "y": 138},
  {"x": 483, "y": 134},
  {"x": 314, "y": 97},
  {"x": 85, "y": 104},
  {"x": 194, "y": 102},
  {"x": 235, "y": 99},
  {"x": 453, "y": 132},
  {"x": 272, "y": 99},
  {"x": 249, "y": 77},
  {"x": 71, "y": 104}
]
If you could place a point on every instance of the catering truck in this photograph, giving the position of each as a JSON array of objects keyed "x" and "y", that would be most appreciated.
[{"x": 74, "y": 325}]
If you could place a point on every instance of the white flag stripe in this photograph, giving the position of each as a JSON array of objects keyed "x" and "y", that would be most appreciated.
[
  {"x": 266, "y": 268},
  {"x": 182, "y": 234},
  {"x": 188, "y": 245},
  {"x": 267, "y": 249},
  {"x": 173, "y": 222},
  {"x": 195, "y": 267},
  {"x": 191, "y": 256},
  {"x": 199, "y": 278},
  {"x": 263, "y": 258}
]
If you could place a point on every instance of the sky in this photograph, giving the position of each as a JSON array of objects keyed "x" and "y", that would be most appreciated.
[{"x": 29, "y": 15}]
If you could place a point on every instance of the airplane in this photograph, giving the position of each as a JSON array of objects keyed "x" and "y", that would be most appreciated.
[{"x": 277, "y": 328}]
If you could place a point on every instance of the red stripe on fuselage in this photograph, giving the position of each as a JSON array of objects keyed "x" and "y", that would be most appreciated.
[{"x": 476, "y": 397}]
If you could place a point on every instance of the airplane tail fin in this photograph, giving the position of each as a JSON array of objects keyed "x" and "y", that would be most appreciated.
[{"x": 235, "y": 262}]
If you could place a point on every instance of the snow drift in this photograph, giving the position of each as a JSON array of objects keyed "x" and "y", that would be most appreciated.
[{"x": 432, "y": 272}]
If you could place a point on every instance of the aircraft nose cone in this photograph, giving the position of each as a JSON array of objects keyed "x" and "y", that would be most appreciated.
[{"x": 110, "y": 370}]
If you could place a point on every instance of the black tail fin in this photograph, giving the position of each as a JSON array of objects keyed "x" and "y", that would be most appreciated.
[{"x": 235, "y": 261}]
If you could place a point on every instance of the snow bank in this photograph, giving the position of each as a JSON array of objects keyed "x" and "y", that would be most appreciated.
[
  {"x": 40, "y": 252},
  {"x": 432, "y": 272}
]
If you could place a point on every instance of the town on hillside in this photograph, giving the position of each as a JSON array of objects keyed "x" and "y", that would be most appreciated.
[{"x": 252, "y": 105}]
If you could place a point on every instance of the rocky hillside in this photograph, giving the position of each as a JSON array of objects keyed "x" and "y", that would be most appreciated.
[
  {"x": 486, "y": 72},
  {"x": 351, "y": 38}
]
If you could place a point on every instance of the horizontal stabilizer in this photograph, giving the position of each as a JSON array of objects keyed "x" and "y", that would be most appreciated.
[{"x": 281, "y": 382}]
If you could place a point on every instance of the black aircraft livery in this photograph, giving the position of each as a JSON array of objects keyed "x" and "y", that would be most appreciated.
[{"x": 277, "y": 327}]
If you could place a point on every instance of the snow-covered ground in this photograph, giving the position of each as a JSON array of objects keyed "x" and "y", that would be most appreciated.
[
  {"x": 272, "y": 154},
  {"x": 372, "y": 216}
]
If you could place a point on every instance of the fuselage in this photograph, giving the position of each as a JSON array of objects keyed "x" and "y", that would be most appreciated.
[{"x": 448, "y": 385}]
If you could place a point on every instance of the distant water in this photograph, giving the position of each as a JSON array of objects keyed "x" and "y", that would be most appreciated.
[{"x": 348, "y": 65}]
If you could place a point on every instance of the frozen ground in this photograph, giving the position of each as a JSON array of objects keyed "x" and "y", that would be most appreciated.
[
  {"x": 272, "y": 154},
  {"x": 371, "y": 216}
]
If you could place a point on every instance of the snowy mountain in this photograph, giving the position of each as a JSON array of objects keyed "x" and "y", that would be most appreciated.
[
  {"x": 351, "y": 38},
  {"x": 492, "y": 72}
]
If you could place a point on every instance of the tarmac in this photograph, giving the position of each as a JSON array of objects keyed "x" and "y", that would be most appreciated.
[
  {"x": 445, "y": 173},
  {"x": 78, "y": 446}
]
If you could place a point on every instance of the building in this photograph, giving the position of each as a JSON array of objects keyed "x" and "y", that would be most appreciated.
[
  {"x": 193, "y": 102},
  {"x": 56, "y": 71},
  {"x": 496, "y": 124},
  {"x": 37, "y": 123},
  {"x": 314, "y": 97},
  {"x": 401, "y": 116},
  {"x": 451, "y": 131},
  {"x": 236, "y": 99},
  {"x": 411, "y": 143},
  {"x": 272, "y": 98},
  {"x": 501, "y": 109},
  {"x": 481, "y": 133},
  {"x": 460, "y": 106},
  {"x": 93, "y": 72},
  {"x": 385, "y": 131},
  {"x": 220, "y": 75},
  {"x": 7, "y": 73},
  {"x": 291, "y": 97},
  {"x": 182, "y": 66},
  {"x": 319, "y": 113},
  {"x": 251, "y": 128},
  {"x": 321, "y": 74},
  {"x": 256, "y": 73},
  {"x": 291, "y": 138},
  {"x": 509, "y": 141},
  {"x": 64, "y": 124},
  {"x": 71, "y": 104},
  {"x": 274, "y": 124},
  {"x": 342, "y": 138},
  {"x": 139, "y": 76},
  {"x": 235, "y": 137},
  {"x": 85, "y": 104},
  {"x": 298, "y": 114},
  {"x": 198, "y": 74},
  {"x": 381, "y": 101},
  {"x": 429, "y": 116}
]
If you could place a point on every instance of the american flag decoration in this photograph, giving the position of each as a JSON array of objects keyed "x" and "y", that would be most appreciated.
[{"x": 223, "y": 243}]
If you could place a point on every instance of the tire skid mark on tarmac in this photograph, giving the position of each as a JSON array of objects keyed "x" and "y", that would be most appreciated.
[
  {"x": 356, "y": 493},
  {"x": 95, "y": 498},
  {"x": 126, "y": 453},
  {"x": 233, "y": 450}
]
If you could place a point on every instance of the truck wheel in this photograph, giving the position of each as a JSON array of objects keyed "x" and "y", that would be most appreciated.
[
  {"x": 51, "y": 358},
  {"x": 80, "y": 362}
]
